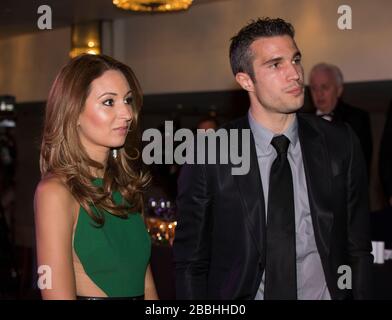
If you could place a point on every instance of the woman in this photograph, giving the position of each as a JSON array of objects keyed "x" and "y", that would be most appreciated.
[{"x": 89, "y": 229}]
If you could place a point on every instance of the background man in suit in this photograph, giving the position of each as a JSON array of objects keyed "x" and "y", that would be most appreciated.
[
  {"x": 286, "y": 228},
  {"x": 326, "y": 87}
]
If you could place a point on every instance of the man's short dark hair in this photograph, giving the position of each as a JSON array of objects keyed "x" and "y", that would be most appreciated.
[{"x": 241, "y": 58}]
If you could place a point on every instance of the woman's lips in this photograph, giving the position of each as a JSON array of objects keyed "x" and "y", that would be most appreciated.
[{"x": 121, "y": 130}]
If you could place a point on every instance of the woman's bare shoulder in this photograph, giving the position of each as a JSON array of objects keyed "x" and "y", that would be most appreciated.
[
  {"x": 52, "y": 193},
  {"x": 53, "y": 186}
]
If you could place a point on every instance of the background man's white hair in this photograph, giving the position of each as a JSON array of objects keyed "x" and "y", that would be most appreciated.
[{"x": 334, "y": 70}]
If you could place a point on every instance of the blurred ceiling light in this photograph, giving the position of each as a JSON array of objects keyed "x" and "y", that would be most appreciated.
[{"x": 153, "y": 5}]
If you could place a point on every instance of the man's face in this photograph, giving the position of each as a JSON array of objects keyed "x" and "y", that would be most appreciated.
[
  {"x": 278, "y": 84},
  {"x": 324, "y": 89}
]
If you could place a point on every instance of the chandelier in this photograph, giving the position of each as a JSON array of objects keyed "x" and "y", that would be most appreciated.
[{"x": 153, "y": 5}]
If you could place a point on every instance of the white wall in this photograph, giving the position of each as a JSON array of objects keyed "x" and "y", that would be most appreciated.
[
  {"x": 29, "y": 63},
  {"x": 188, "y": 51}
]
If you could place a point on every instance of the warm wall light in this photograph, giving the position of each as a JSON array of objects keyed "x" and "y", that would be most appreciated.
[
  {"x": 86, "y": 38},
  {"x": 153, "y": 5}
]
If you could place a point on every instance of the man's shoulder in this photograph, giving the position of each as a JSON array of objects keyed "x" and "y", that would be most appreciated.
[
  {"x": 322, "y": 125},
  {"x": 352, "y": 111},
  {"x": 335, "y": 134}
]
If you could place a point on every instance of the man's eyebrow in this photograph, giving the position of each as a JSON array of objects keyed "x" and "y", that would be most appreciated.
[
  {"x": 273, "y": 60},
  {"x": 279, "y": 59}
]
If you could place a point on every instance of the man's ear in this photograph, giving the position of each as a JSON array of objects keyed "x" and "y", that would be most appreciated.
[{"x": 245, "y": 81}]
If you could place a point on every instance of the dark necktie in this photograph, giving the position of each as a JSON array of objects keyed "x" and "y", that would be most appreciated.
[{"x": 280, "y": 269}]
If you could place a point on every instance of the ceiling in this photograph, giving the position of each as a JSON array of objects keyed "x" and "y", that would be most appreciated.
[{"x": 20, "y": 16}]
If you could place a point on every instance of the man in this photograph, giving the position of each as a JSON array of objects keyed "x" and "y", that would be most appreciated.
[
  {"x": 286, "y": 228},
  {"x": 385, "y": 159},
  {"x": 326, "y": 87}
]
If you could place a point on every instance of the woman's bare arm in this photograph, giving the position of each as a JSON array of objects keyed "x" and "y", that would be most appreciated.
[{"x": 54, "y": 209}]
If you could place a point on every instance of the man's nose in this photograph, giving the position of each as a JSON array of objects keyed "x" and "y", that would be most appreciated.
[{"x": 295, "y": 72}]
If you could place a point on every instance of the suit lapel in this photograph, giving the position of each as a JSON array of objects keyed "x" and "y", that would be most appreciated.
[
  {"x": 319, "y": 184},
  {"x": 251, "y": 193}
]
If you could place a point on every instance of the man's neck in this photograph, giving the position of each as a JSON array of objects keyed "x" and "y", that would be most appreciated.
[{"x": 275, "y": 122}]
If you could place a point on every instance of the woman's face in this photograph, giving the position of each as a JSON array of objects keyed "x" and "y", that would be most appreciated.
[{"x": 107, "y": 114}]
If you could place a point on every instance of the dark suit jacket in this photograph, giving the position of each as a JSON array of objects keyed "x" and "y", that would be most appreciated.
[
  {"x": 219, "y": 247},
  {"x": 385, "y": 163},
  {"x": 359, "y": 121}
]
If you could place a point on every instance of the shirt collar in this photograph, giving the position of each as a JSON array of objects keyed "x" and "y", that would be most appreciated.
[{"x": 263, "y": 136}]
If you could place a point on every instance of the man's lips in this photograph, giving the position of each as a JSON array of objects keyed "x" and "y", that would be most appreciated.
[{"x": 295, "y": 90}]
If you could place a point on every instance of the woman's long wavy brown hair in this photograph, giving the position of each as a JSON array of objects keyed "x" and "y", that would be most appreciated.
[{"x": 63, "y": 155}]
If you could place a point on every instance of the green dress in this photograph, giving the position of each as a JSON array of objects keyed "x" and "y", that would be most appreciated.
[{"x": 114, "y": 256}]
